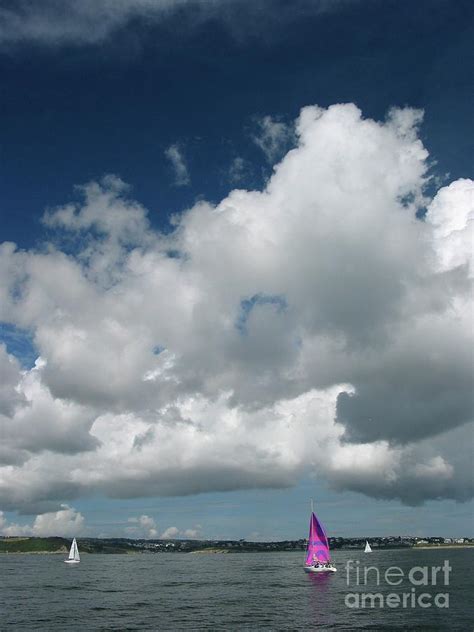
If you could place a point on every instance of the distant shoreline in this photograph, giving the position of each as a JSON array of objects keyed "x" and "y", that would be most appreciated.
[
  {"x": 443, "y": 546},
  {"x": 33, "y": 552},
  {"x": 210, "y": 551},
  {"x": 215, "y": 551},
  {"x": 125, "y": 546}
]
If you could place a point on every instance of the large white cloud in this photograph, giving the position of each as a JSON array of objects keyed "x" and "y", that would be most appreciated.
[
  {"x": 314, "y": 326},
  {"x": 66, "y": 522}
]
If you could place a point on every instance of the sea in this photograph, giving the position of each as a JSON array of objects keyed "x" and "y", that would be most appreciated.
[{"x": 246, "y": 591}]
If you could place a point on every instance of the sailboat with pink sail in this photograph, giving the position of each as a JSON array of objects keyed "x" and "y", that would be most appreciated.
[{"x": 318, "y": 558}]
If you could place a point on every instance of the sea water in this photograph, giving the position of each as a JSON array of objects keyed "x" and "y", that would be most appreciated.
[{"x": 247, "y": 591}]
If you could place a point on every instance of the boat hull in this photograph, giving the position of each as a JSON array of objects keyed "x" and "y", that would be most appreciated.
[
  {"x": 71, "y": 561},
  {"x": 315, "y": 569}
]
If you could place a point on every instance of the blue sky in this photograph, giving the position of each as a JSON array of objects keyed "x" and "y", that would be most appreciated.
[
  {"x": 73, "y": 113},
  {"x": 111, "y": 94}
]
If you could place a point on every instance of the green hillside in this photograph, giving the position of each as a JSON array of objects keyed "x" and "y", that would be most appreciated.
[
  {"x": 34, "y": 545},
  {"x": 61, "y": 545}
]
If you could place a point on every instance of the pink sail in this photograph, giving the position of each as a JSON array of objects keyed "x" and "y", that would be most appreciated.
[{"x": 318, "y": 547}]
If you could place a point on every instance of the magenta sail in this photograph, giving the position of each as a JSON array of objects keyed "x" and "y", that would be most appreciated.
[{"x": 318, "y": 548}]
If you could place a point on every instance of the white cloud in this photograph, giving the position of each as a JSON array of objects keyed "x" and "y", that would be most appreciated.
[
  {"x": 170, "y": 533},
  {"x": 144, "y": 527},
  {"x": 451, "y": 213},
  {"x": 86, "y": 22},
  {"x": 192, "y": 534},
  {"x": 47, "y": 423},
  {"x": 315, "y": 326},
  {"x": 434, "y": 468},
  {"x": 106, "y": 211},
  {"x": 176, "y": 158},
  {"x": 10, "y": 376},
  {"x": 67, "y": 522},
  {"x": 93, "y": 22},
  {"x": 273, "y": 137},
  {"x": 146, "y": 522}
]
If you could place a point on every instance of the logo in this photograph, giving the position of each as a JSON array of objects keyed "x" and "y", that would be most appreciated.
[{"x": 423, "y": 586}]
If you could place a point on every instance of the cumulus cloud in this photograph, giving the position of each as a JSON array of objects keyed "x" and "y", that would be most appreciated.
[
  {"x": 176, "y": 158},
  {"x": 316, "y": 326},
  {"x": 451, "y": 213},
  {"x": 67, "y": 522},
  {"x": 189, "y": 534},
  {"x": 192, "y": 534},
  {"x": 170, "y": 533},
  {"x": 46, "y": 423},
  {"x": 144, "y": 527}
]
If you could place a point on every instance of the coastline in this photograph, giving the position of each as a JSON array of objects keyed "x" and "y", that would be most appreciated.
[
  {"x": 425, "y": 547},
  {"x": 227, "y": 552},
  {"x": 125, "y": 546},
  {"x": 209, "y": 551}
]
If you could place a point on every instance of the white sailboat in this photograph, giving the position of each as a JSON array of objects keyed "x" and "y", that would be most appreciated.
[
  {"x": 74, "y": 557},
  {"x": 368, "y": 548}
]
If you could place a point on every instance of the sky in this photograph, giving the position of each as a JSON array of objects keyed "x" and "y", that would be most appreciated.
[{"x": 236, "y": 268}]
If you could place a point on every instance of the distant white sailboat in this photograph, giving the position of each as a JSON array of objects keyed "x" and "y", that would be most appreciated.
[
  {"x": 74, "y": 557},
  {"x": 368, "y": 548}
]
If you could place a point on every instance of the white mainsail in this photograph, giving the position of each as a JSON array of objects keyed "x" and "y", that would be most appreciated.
[
  {"x": 73, "y": 553},
  {"x": 368, "y": 548}
]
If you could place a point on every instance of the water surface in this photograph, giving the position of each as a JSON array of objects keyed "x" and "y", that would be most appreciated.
[{"x": 248, "y": 591}]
